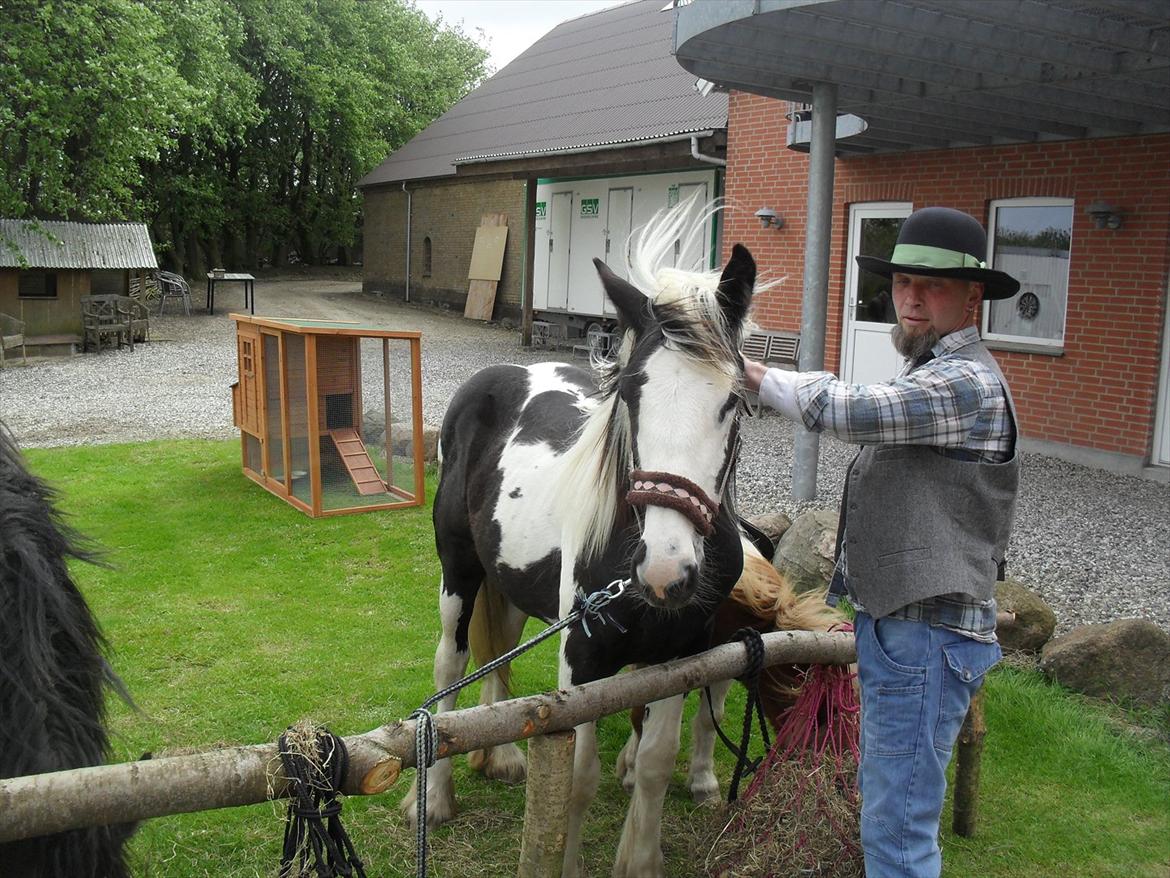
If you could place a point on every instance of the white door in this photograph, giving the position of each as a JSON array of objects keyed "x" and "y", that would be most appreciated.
[
  {"x": 867, "y": 353},
  {"x": 1161, "y": 455},
  {"x": 619, "y": 221},
  {"x": 560, "y": 229},
  {"x": 693, "y": 251}
]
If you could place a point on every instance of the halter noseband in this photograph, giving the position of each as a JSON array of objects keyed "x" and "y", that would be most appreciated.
[{"x": 674, "y": 492}]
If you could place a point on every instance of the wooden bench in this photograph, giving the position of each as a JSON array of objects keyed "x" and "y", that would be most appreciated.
[
  {"x": 108, "y": 316},
  {"x": 41, "y": 343}
]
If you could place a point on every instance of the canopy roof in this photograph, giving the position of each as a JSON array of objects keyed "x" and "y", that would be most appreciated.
[{"x": 932, "y": 74}]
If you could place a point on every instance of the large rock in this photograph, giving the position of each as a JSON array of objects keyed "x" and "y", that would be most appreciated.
[
  {"x": 772, "y": 524},
  {"x": 805, "y": 552},
  {"x": 1034, "y": 622},
  {"x": 1127, "y": 659},
  {"x": 400, "y": 438}
]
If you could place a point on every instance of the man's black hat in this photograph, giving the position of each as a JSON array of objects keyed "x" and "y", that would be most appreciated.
[{"x": 943, "y": 242}]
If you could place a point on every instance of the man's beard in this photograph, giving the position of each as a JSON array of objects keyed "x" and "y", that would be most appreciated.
[{"x": 913, "y": 346}]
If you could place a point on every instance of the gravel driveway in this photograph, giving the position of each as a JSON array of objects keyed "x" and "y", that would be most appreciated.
[{"x": 1094, "y": 544}]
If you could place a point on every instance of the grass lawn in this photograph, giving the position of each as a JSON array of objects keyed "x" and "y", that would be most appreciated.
[{"x": 232, "y": 615}]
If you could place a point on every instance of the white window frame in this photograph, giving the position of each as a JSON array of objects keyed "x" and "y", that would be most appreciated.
[{"x": 1024, "y": 342}]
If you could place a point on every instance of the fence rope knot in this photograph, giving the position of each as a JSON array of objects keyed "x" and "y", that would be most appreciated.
[
  {"x": 315, "y": 762},
  {"x": 753, "y": 644}
]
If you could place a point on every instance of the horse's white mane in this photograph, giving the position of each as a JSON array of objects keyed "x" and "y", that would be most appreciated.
[{"x": 596, "y": 464}]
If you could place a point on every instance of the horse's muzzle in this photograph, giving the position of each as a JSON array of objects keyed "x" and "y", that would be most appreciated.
[{"x": 664, "y": 584}]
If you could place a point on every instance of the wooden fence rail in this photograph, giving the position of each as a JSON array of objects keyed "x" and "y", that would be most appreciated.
[{"x": 47, "y": 803}]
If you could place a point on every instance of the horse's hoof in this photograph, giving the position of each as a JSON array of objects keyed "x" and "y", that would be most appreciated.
[
  {"x": 440, "y": 807},
  {"x": 504, "y": 762},
  {"x": 705, "y": 791}
]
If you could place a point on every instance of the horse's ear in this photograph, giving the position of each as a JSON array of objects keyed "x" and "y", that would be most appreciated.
[
  {"x": 631, "y": 303},
  {"x": 736, "y": 285}
]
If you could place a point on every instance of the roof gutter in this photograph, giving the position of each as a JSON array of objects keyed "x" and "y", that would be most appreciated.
[
  {"x": 709, "y": 159},
  {"x": 409, "y": 200},
  {"x": 593, "y": 147}
]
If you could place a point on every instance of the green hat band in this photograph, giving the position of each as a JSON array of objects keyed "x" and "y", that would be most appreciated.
[{"x": 933, "y": 257}]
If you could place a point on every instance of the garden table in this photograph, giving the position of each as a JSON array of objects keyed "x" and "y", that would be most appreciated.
[{"x": 247, "y": 280}]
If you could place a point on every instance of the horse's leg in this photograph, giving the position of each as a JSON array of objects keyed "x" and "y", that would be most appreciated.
[
  {"x": 586, "y": 775},
  {"x": 640, "y": 849},
  {"x": 628, "y": 757},
  {"x": 503, "y": 762},
  {"x": 701, "y": 779},
  {"x": 457, "y": 593}
]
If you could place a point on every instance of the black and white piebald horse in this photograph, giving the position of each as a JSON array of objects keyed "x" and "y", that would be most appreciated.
[
  {"x": 552, "y": 483},
  {"x": 52, "y": 673}
]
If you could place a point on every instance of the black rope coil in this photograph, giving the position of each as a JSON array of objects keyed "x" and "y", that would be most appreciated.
[
  {"x": 753, "y": 644},
  {"x": 314, "y": 839}
]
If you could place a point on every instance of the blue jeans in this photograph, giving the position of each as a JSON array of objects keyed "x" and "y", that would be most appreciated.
[{"x": 916, "y": 684}]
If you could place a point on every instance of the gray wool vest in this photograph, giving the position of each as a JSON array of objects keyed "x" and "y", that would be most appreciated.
[{"x": 921, "y": 524}]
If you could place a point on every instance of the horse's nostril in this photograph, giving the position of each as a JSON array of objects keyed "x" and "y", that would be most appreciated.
[
  {"x": 682, "y": 588},
  {"x": 639, "y": 554}
]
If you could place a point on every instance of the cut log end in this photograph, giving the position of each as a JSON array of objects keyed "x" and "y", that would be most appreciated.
[{"x": 382, "y": 776}]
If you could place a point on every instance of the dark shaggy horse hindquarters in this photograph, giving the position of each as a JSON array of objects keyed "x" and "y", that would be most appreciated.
[
  {"x": 550, "y": 484},
  {"x": 51, "y": 673}
]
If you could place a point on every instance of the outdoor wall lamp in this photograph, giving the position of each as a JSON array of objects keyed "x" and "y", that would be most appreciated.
[
  {"x": 1105, "y": 215},
  {"x": 769, "y": 217}
]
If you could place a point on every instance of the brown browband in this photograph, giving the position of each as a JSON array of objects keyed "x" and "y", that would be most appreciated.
[{"x": 674, "y": 492}]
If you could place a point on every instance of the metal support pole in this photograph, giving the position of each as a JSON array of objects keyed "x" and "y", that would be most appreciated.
[{"x": 816, "y": 273}]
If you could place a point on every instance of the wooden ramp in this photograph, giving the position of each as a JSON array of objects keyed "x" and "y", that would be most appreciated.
[{"x": 357, "y": 461}]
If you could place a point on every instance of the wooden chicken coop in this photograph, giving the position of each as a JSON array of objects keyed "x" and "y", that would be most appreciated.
[{"x": 330, "y": 414}]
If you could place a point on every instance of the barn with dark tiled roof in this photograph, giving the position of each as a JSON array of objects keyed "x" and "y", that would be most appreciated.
[{"x": 596, "y": 103}]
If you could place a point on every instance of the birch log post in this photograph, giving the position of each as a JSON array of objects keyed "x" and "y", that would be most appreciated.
[
  {"x": 48, "y": 803},
  {"x": 968, "y": 761},
  {"x": 546, "y": 805}
]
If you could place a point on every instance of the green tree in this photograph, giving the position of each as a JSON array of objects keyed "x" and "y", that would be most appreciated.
[
  {"x": 84, "y": 100},
  {"x": 237, "y": 129}
]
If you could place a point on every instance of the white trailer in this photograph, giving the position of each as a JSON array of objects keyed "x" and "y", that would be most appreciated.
[{"x": 577, "y": 220}]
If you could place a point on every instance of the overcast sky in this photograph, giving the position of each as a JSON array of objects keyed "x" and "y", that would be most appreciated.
[{"x": 509, "y": 26}]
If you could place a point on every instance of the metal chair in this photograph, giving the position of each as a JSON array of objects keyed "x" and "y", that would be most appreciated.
[
  {"x": 173, "y": 286},
  {"x": 596, "y": 340}
]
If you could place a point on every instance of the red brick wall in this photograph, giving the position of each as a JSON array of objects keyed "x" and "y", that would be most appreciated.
[{"x": 1101, "y": 392}]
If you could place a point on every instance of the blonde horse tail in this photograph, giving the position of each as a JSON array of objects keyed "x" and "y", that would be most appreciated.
[
  {"x": 485, "y": 631},
  {"x": 767, "y": 595}
]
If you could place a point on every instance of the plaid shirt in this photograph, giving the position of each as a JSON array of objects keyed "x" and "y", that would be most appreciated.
[{"x": 949, "y": 402}]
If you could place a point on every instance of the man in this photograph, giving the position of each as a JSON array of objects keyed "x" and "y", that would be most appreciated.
[{"x": 925, "y": 519}]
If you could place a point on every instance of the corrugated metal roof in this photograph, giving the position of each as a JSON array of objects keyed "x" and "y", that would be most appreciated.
[
  {"x": 55, "y": 244},
  {"x": 601, "y": 79}
]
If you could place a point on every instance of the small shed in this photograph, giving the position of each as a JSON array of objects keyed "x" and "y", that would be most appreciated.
[
  {"x": 330, "y": 413},
  {"x": 46, "y": 266}
]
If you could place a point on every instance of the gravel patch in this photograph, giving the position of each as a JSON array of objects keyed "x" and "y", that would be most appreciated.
[{"x": 1094, "y": 544}]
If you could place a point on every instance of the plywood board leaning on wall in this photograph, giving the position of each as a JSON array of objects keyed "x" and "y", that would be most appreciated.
[{"x": 487, "y": 260}]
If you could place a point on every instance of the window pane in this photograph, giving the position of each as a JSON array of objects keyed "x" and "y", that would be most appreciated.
[
  {"x": 1032, "y": 244},
  {"x": 877, "y": 238},
  {"x": 37, "y": 285}
]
